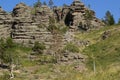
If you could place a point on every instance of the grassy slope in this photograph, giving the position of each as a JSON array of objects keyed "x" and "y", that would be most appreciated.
[{"x": 105, "y": 53}]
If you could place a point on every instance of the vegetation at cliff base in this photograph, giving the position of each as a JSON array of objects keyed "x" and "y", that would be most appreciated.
[{"x": 47, "y": 42}]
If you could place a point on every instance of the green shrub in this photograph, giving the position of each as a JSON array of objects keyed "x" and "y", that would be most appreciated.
[
  {"x": 47, "y": 59},
  {"x": 33, "y": 11},
  {"x": 52, "y": 25},
  {"x": 39, "y": 47},
  {"x": 88, "y": 15},
  {"x": 63, "y": 29},
  {"x": 52, "y": 28},
  {"x": 41, "y": 25},
  {"x": 6, "y": 76},
  {"x": 71, "y": 47},
  {"x": 10, "y": 43}
]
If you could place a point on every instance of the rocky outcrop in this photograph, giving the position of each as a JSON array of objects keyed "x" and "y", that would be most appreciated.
[
  {"x": 106, "y": 35},
  {"x": 22, "y": 23},
  {"x": 77, "y": 16},
  {"x": 5, "y": 24},
  {"x": 69, "y": 57},
  {"x": 27, "y": 25},
  {"x": 41, "y": 15}
]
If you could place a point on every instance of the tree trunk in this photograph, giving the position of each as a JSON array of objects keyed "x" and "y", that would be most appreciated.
[
  {"x": 94, "y": 66},
  {"x": 11, "y": 71}
]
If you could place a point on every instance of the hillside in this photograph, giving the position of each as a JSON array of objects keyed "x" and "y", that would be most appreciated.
[
  {"x": 63, "y": 43},
  {"x": 105, "y": 53}
]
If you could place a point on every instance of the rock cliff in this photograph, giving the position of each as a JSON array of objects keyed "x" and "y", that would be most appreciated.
[
  {"x": 77, "y": 16},
  {"x": 5, "y": 23},
  {"x": 56, "y": 28},
  {"x": 27, "y": 24},
  {"x": 30, "y": 24}
]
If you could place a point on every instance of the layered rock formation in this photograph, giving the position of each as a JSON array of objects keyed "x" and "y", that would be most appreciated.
[
  {"x": 77, "y": 16},
  {"x": 22, "y": 23},
  {"x": 5, "y": 24},
  {"x": 27, "y": 25}
]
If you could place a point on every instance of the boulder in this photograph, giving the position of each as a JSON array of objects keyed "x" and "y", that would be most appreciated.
[{"x": 106, "y": 35}]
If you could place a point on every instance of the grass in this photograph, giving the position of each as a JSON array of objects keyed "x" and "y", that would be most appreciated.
[
  {"x": 71, "y": 47},
  {"x": 94, "y": 35},
  {"x": 105, "y": 53},
  {"x": 27, "y": 63}
]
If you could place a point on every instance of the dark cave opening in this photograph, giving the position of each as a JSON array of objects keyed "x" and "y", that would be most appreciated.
[{"x": 69, "y": 19}]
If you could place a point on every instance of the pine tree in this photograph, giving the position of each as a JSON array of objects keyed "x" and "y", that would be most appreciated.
[
  {"x": 44, "y": 3},
  {"x": 109, "y": 19},
  {"x": 51, "y": 3},
  {"x": 118, "y": 21},
  {"x": 65, "y": 5},
  {"x": 38, "y": 4}
]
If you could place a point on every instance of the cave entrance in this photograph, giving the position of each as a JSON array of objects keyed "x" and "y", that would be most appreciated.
[{"x": 69, "y": 19}]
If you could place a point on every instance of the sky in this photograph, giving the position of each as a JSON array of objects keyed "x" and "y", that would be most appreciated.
[{"x": 99, "y": 6}]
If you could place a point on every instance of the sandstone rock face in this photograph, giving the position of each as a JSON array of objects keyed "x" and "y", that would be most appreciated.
[
  {"x": 27, "y": 25},
  {"x": 76, "y": 16},
  {"x": 21, "y": 10},
  {"x": 22, "y": 23},
  {"x": 83, "y": 18},
  {"x": 41, "y": 15},
  {"x": 5, "y": 24}
]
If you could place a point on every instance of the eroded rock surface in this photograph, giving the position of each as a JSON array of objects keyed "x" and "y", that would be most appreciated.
[
  {"x": 30, "y": 26},
  {"x": 27, "y": 25},
  {"x": 5, "y": 23},
  {"x": 77, "y": 16}
]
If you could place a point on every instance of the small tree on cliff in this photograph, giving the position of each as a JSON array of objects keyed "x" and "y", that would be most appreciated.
[
  {"x": 118, "y": 21},
  {"x": 88, "y": 15},
  {"x": 109, "y": 19},
  {"x": 44, "y": 3},
  {"x": 51, "y": 3},
  {"x": 37, "y": 4}
]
